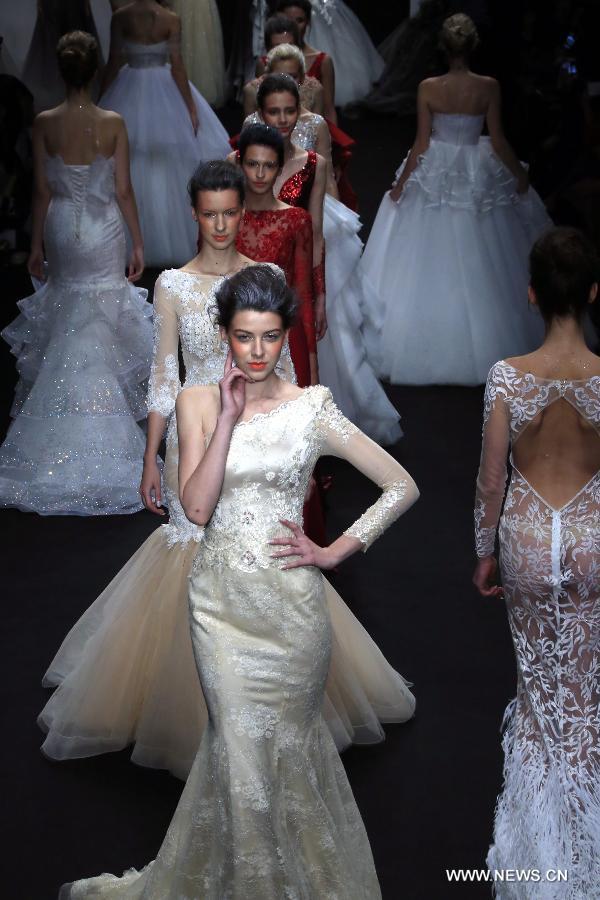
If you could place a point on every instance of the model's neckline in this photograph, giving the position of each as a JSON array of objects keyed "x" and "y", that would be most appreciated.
[
  {"x": 276, "y": 409},
  {"x": 549, "y": 380}
]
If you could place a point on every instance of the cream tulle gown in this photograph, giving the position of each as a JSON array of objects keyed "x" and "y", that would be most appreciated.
[
  {"x": 126, "y": 670},
  {"x": 202, "y": 47},
  {"x": 267, "y": 811}
]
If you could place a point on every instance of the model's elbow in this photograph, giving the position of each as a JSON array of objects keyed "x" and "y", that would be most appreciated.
[
  {"x": 123, "y": 193},
  {"x": 194, "y": 514}
]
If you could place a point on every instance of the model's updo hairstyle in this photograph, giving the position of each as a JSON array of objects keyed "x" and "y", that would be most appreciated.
[
  {"x": 78, "y": 57},
  {"x": 216, "y": 175},
  {"x": 304, "y": 5},
  {"x": 283, "y": 52},
  {"x": 563, "y": 266},
  {"x": 260, "y": 288},
  {"x": 277, "y": 84},
  {"x": 458, "y": 36},
  {"x": 280, "y": 24},
  {"x": 260, "y": 135}
]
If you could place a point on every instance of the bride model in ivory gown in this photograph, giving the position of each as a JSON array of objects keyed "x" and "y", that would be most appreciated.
[
  {"x": 447, "y": 254},
  {"x": 83, "y": 340},
  {"x": 125, "y": 671},
  {"x": 267, "y": 811},
  {"x": 545, "y": 407},
  {"x": 171, "y": 126}
]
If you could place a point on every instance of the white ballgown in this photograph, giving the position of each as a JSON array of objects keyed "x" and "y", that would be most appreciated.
[
  {"x": 83, "y": 343},
  {"x": 343, "y": 364},
  {"x": 202, "y": 47},
  {"x": 336, "y": 30},
  {"x": 267, "y": 812},
  {"x": 126, "y": 671},
  {"x": 164, "y": 149},
  {"x": 449, "y": 264}
]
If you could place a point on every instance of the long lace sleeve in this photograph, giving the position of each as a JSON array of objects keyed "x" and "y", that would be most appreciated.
[
  {"x": 164, "y": 383},
  {"x": 343, "y": 439},
  {"x": 491, "y": 478},
  {"x": 303, "y": 280}
]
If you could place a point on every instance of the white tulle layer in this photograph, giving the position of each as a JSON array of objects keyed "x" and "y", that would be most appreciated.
[
  {"x": 547, "y": 818},
  {"x": 357, "y": 63},
  {"x": 126, "y": 671},
  {"x": 449, "y": 267},
  {"x": 343, "y": 364},
  {"x": 83, "y": 354},
  {"x": 164, "y": 153}
]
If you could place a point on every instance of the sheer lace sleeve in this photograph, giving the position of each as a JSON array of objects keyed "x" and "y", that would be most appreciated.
[
  {"x": 164, "y": 383},
  {"x": 343, "y": 439},
  {"x": 491, "y": 479},
  {"x": 303, "y": 279}
]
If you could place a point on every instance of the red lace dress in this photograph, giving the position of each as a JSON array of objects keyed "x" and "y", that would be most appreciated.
[
  {"x": 296, "y": 190},
  {"x": 284, "y": 237}
]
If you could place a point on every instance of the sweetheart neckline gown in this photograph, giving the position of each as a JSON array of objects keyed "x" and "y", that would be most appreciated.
[
  {"x": 267, "y": 811},
  {"x": 164, "y": 149},
  {"x": 449, "y": 264},
  {"x": 83, "y": 348},
  {"x": 125, "y": 672},
  {"x": 548, "y": 813}
]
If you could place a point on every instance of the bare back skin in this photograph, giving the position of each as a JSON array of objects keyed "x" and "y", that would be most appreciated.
[
  {"x": 145, "y": 22},
  {"x": 79, "y": 133},
  {"x": 559, "y": 451}
]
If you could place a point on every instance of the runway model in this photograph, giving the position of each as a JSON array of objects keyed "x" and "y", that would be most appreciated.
[
  {"x": 267, "y": 810},
  {"x": 126, "y": 671},
  {"x": 545, "y": 407},
  {"x": 83, "y": 340},
  {"x": 447, "y": 254},
  {"x": 171, "y": 126}
]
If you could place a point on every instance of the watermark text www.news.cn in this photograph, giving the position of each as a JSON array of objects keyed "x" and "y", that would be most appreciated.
[{"x": 524, "y": 876}]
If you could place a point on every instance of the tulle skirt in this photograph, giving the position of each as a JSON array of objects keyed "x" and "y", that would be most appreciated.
[
  {"x": 126, "y": 671},
  {"x": 164, "y": 153},
  {"x": 338, "y": 31},
  {"x": 343, "y": 363},
  {"x": 83, "y": 354},
  {"x": 449, "y": 267}
]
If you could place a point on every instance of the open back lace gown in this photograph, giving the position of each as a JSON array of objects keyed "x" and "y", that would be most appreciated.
[{"x": 126, "y": 670}]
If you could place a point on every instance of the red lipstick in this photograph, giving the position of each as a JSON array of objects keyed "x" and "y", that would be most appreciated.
[{"x": 257, "y": 366}]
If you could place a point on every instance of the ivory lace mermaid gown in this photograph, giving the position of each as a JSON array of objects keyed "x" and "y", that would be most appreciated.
[
  {"x": 548, "y": 814},
  {"x": 126, "y": 670},
  {"x": 83, "y": 348},
  {"x": 267, "y": 811}
]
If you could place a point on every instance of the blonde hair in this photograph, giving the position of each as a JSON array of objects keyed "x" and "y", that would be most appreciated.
[
  {"x": 283, "y": 52},
  {"x": 458, "y": 36}
]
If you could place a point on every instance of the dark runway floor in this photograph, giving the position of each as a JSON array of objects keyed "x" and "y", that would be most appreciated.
[{"x": 427, "y": 793}]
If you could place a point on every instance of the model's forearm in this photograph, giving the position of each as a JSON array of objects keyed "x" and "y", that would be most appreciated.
[
  {"x": 154, "y": 434},
  {"x": 179, "y": 77},
  {"x": 201, "y": 492},
  {"x": 41, "y": 202},
  {"x": 505, "y": 152},
  {"x": 128, "y": 207}
]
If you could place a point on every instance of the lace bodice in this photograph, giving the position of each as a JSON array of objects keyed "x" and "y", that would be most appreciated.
[
  {"x": 453, "y": 128},
  {"x": 270, "y": 461},
  {"x": 513, "y": 400},
  {"x": 146, "y": 56}
]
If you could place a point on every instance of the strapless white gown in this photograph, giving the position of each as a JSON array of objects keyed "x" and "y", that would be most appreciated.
[
  {"x": 449, "y": 264},
  {"x": 336, "y": 30},
  {"x": 164, "y": 149},
  {"x": 83, "y": 343}
]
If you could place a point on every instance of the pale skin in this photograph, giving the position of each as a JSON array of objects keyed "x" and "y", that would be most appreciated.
[
  {"x": 261, "y": 170},
  {"x": 78, "y": 131},
  {"x": 297, "y": 15},
  {"x": 218, "y": 214},
  {"x": 249, "y": 90},
  {"x": 147, "y": 22},
  {"x": 207, "y": 416},
  {"x": 563, "y": 354},
  {"x": 460, "y": 92}
]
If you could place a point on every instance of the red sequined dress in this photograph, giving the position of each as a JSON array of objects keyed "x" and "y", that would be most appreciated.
[
  {"x": 284, "y": 237},
  {"x": 296, "y": 190}
]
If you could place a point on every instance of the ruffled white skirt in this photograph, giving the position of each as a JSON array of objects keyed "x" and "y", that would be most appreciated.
[
  {"x": 126, "y": 671},
  {"x": 449, "y": 267},
  {"x": 343, "y": 364},
  {"x": 164, "y": 154},
  {"x": 336, "y": 30},
  {"x": 83, "y": 353}
]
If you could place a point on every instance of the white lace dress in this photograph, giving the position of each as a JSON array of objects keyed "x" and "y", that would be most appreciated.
[
  {"x": 164, "y": 149},
  {"x": 548, "y": 814},
  {"x": 126, "y": 670},
  {"x": 448, "y": 264},
  {"x": 83, "y": 347},
  {"x": 267, "y": 811}
]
